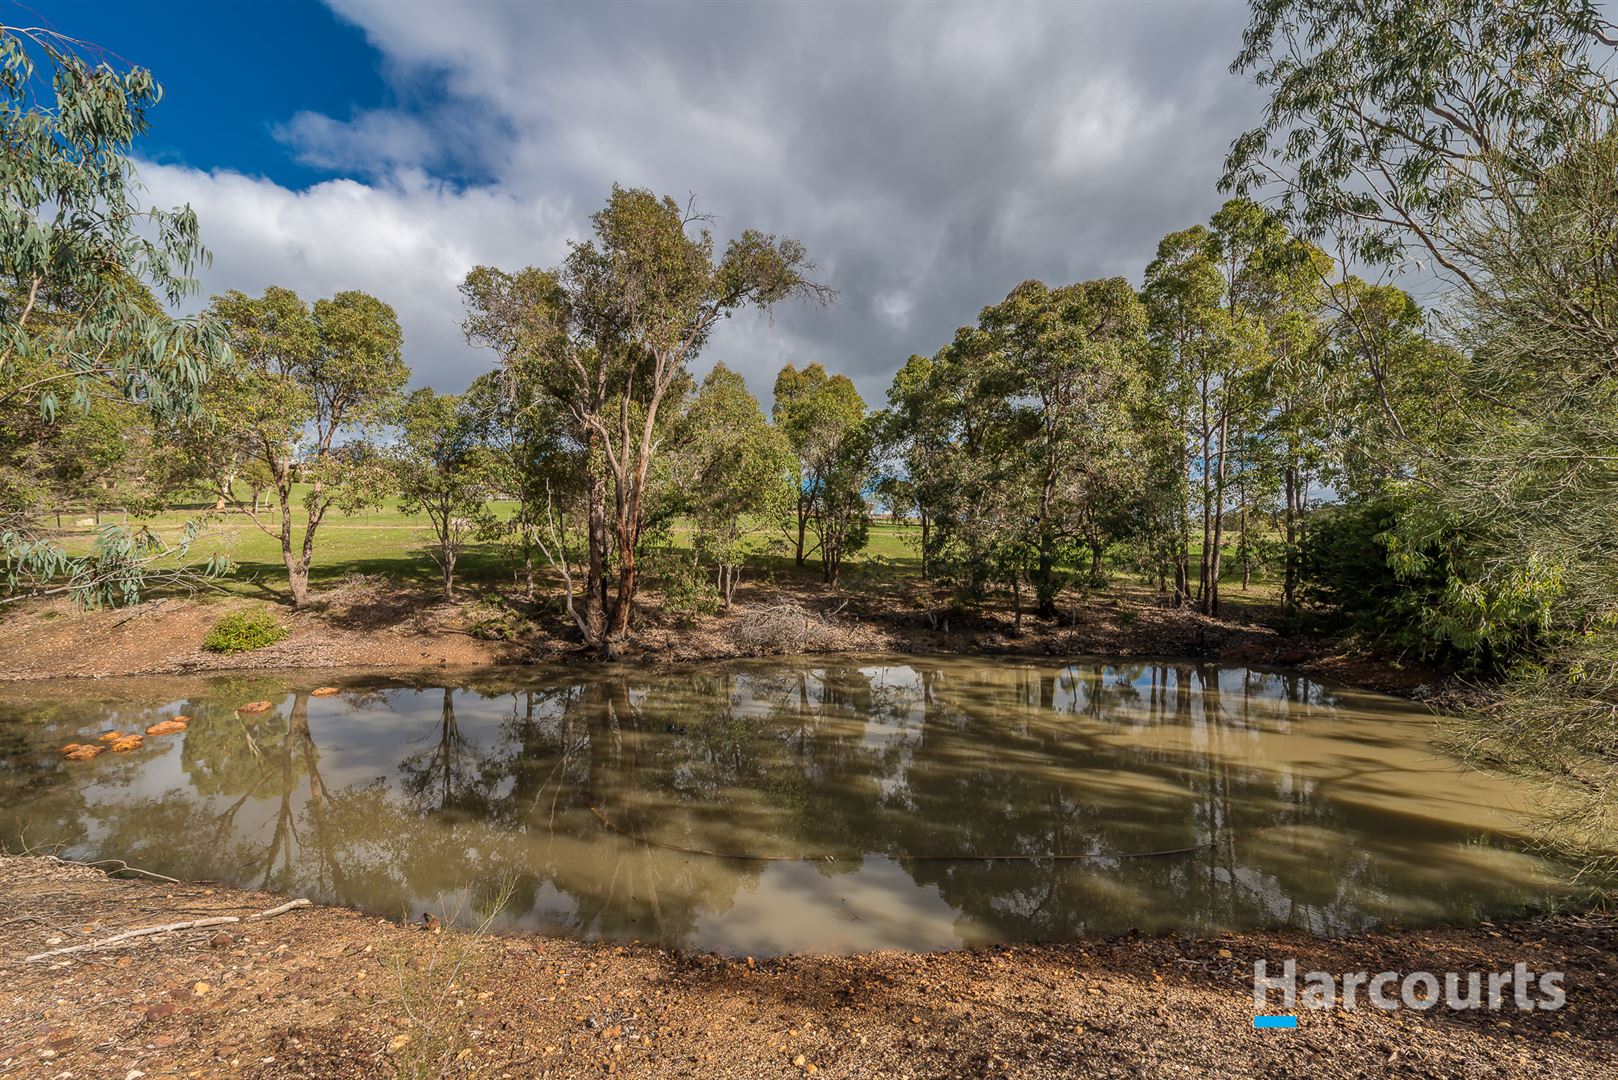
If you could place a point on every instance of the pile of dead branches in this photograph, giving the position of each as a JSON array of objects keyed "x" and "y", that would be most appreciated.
[{"x": 790, "y": 628}]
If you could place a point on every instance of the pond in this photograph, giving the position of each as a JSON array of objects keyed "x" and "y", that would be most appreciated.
[{"x": 820, "y": 805}]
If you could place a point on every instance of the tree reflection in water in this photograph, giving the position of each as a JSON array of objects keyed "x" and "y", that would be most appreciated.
[{"x": 932, "y": 801}]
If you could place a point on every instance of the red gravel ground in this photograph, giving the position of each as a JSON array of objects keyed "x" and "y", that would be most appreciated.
[{"x": 327, "y": 992}]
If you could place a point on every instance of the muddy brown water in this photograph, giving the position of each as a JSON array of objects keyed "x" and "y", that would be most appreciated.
[{"x": 823, "y": 805}]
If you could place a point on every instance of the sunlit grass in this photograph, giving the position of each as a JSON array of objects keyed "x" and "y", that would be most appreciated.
[{"x": 385, "y": 542}]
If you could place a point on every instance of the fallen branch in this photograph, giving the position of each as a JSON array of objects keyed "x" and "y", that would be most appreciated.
[
  {"x": 167, "y": 928},
  {"x": 125, "y": 868},
  {"x": 282, "y": 910},
  {"x": 122, "y": 868}
]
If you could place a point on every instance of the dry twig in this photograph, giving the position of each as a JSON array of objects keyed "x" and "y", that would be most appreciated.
[{"x": 194, "y": 924}]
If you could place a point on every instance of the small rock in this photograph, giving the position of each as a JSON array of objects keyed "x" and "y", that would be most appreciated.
[
  {"x": 201, "y": 989},
  {"x": 256, "y": 707}
]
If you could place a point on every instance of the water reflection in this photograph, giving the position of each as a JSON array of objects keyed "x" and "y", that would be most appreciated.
[{"x": 881, "y": 802}]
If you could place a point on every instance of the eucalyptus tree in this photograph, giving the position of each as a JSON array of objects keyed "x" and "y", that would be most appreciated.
[
  {"x": 1295, "y": 439},
  {"x": 306, "y": 385},
  {"x": 442, "y": 469},
  {"x": 79, "y": 261},
  {"x": 972, "y": 485},
  {"x": 1021, "y": 440},
  {"x": 1066, "y": 361},
  {"x": 840, "y": 516},
  {"x": 1278, "y": 403},
  {"x": 1390, "y": 124},
  {"x": 532, "y": 458},
  {"x": 1191, "y": 336},
  {"x": 1235, "y": 313},
  {"x": 913, "y": 434},
  {"x": 816, "y": 412},
  {"x": 607, "y": 336},
  {"x": 1476, "y": 139},
  {"x": 732, "y": 473}
]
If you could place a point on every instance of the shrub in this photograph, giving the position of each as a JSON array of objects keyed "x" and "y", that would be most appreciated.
[
  {"x": 1414, "y": 581},
  {"x": 496, "y": 622},
  {"x": 683, "y": 585},
  {"x": 243, "y": 630}
]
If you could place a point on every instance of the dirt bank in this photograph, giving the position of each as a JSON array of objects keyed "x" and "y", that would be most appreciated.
[
  {"x": 329, "y": 992},
  {"x": 371, "y": 622}
]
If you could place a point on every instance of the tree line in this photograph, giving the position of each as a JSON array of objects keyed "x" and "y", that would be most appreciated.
[{"x": 1440, "y": 479}]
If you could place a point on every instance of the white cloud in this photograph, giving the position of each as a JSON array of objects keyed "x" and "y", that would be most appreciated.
[
  {"x": 409, "y": 242},
  {"x": 369, "y": 143},
  {"x": 929, "y": 156}
]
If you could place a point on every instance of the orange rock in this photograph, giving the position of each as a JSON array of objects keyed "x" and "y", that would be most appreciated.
[
  {"x": 110, "y": 736},
  {"x": 83, "y": 753},
  {"x": 72, "y": 746},
  {"x": 167, "y": 727},
  {"x": 127, "y": 743},
  {"x": 257, "y": 707},
  {"x": 325, "y": 691}
]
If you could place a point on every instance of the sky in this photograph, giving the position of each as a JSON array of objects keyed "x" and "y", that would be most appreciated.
[{"x": 929, "y": 156}]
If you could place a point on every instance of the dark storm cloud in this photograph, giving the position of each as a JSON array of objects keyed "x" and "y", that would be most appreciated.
[{"x": 930, "y": 156}]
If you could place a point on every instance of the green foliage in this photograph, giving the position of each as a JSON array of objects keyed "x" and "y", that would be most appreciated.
[
  {"x": 529, "y": 456},
  {"x": 1389, "y": 123},
  {"x": 1415, "y": 581},
  {"x": 839, "y": 515},
  {"x": 731, "y": 474},
  {"x": 685, "y": 589},
  {"x": 443, "y": 470},
  {"x": 1022, "y": 453},
  {"x": 1479, "y": 138},
  {"x": 76, "y": 249},
  {"x": 86, "y": 351},
  {"x": 818, "y": 413},
  {"x": 304, "y": 379},
  {"x": 607, "y": 338},
  {"x": 1239, "y": 388},
  {"x": 496, "y": 621},
  {"x": 243, "y": 631}
]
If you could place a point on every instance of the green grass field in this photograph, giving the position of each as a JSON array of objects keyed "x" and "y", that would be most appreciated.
[{"x": 386, "y": 542}]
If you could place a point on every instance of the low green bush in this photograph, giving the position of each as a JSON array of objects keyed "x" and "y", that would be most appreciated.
[
  {"x": 241, "y": 631},
  {"x": 1414, "y": 581}
]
